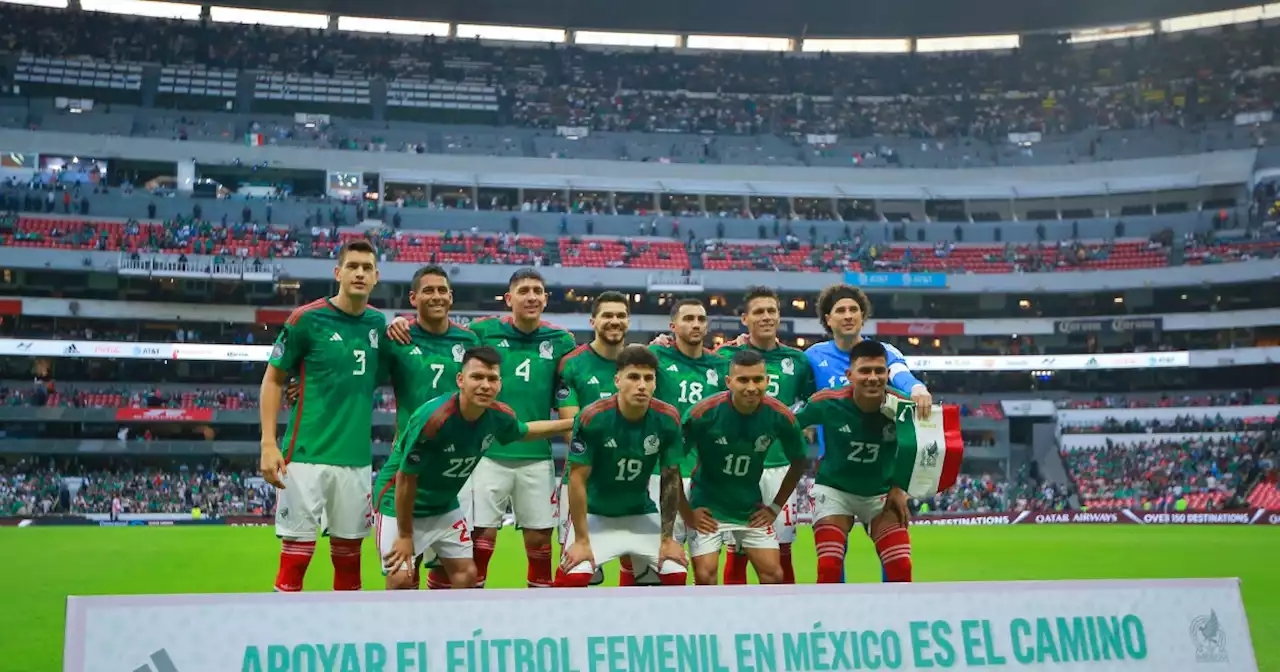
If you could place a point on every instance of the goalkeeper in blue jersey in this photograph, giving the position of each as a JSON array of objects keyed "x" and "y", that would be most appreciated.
[{"x": 842, "y": 311}]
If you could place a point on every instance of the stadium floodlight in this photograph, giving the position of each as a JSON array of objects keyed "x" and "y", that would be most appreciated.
[
  {"x": 265, "y": 17},
  {"x": 739, "y": 43},
  {"x": 1225, "y": 17},
  {"x": 894, "y": 45},
  {"x": 662, "y": 40},
  {"x": 510, "y": 33},
  {"x": 364, "y": 24},
  {"x": 151, "y": 8},
  {"x": 968, "y": 43},
  {"x": 1111, "y": 33},
  {"x": 54, "y": 4}
]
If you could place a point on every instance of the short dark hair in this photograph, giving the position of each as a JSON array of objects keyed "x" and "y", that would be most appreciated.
[
  {"x": 746, "y": 357},
  {"x": 485, "y": 354},
  {"x": 833, "y": 294},
  {"x": 357, "y": 245},
  {"x": 867, "y": 348},
  {"x": 526, "y": 274},
  {"x": 609, "y": 296},
  {"x": 758, "y": 292},
  {"x": 637, "y": 355},
  {"x": 429, "y": 270},
  {"x": 675, "y": 310}
]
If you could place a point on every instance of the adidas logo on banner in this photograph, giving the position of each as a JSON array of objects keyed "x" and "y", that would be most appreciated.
[
  {"x": 593, "y": 381},
  {"x": 160, "y": 662},
  {"x": 416, "y": 351},
  {"x": 673, "y": 367},
  {"x": 335, "y": 337},
  {"x": 722, "y": 441},
  {"x": 503, "y": 344},
  {"x": 845, "y": 430},
  {"x": 610, "y": 444}
]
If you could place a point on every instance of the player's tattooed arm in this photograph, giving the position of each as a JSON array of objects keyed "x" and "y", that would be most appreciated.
[{"x": 670, "y": 490}]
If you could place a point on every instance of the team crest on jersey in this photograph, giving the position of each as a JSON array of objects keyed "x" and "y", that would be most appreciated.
[
  {"x": 713, "y": 378},
  {"x": 278, "y": 351},
  {"x": 562, "y": 392},
  {"x": 577, "y": 447},
  {"x": 762, "y": 443},
  {"x": 546, "y": 350},
  {"x": 373, "y": 338},
  {"x": 488, "y": 441},
  {"x": 651, "y": 444},
  {"x": 888, "y": 433},
  {"x": 788, "y": 367},
  {"x": 458, "y": 352}
]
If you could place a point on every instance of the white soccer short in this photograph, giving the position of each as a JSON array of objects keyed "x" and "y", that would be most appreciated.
[
  {"x": 655, "y": 491},
  {"x": 526, "y": 485},
  {"x": 613, "y": 537},
  {"x": 443, "y": 536},
  {"x": 340, "y": 499},
  {"x": 785, "y": 525},
  {"x": 829, "y": 501},
  {"x": 742, "y": 536}
]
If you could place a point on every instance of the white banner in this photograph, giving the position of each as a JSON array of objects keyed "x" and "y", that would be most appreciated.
[
  {"x": 1251, "y": 118},
  {"x": 1028, "y": 408},
  {"x": 573, "y": 131},
  {"x": 1025, "y": 138},
  {"x": 1161, "y": 626},
  {"x": 822, "y": 139}
]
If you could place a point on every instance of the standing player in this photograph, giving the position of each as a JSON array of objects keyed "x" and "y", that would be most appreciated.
[
  {"x": 732, "y": 432},
  {"x": 790, "y": 381},
  {"x": 616, "y": 444},
  {"x": 423, "y": 369},
  {"x": 856, "y": 480},
  {"x": 433, "y": 457},
  {"x": 586, "y": 375},
  {"x": 325, "y": 470},
  {"x": 843, "y": 311}
]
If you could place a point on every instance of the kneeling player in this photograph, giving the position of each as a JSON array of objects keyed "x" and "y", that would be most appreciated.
[
  {"x": 418, "y": 513},
  {"x": 616, "y": 444},
  {"x": 732, "y": 431},
  {"x": 855, "y": 480}
]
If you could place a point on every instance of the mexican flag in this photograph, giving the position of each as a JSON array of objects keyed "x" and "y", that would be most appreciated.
[
  {"x": 253, "y": 139},
  {"x": 929, "y": 451}
]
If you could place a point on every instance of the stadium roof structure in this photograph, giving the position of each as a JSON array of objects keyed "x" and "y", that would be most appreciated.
[{"x": 792, "y": 19}]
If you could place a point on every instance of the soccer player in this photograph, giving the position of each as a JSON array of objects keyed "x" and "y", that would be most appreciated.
[
  {"x": 585, "y": 376},
  {"x": 433, "y": 457},
  {"x": 790, "y": 381},
  {"x": 843, "y": 311},
  {"x": 856, "y": 479},
  {"x": 732, "y": 432},
  {"x": 616, "y": 443},
  {"x": 325, "y": 470}
]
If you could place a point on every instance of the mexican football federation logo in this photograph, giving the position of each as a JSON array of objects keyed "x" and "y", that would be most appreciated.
[
  {"x": 713, "y": 378},
  {"x": 1210, "y": 640},
  {"x": 458, "y": 352},
  {"x": 651, "y": 444},
  {"x": 788, "y": 367},
  {"x": 929, "y": 456},
  {"x": 488, "y": 441},
  {"x": 762, "y": 443},
  {"x": 373, "y": 338},
  {"x": 546, "y": 350}
]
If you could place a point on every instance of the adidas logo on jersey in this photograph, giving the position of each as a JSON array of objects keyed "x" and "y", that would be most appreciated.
[
  {"x": 823, "y": 364},
  {"x": 503, "y": 344},
  {"x": 674, "y": 368},
  {"x": 449, "y": 448},
  {"x": 593, "y": 381},
  {"x": 722, "y": 441},
  {"x": 335, "y": 337},
  {"x": 610, "y": 444},
  {"x": 416, "y": 351},
  {"x": 845, "y": 430}
]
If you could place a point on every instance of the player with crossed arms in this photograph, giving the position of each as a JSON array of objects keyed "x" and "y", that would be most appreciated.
[
  {"x": 433, "y": 457},
  {"x": 325, "y": 471},
  {"x": 616, "y": 443},
  {"x": 732, "y": 431},
  {"x": 856, "y": 479}
]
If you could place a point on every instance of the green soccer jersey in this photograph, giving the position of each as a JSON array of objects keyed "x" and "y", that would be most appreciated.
[
  {"x": 442, "y": 448},
  {"x": 336, "y": 357},
  {"x": 684, "y": 381},
  {"x": 425, "y": 368},
  {"x": 585, "y": 378},
  {"x": 731, "y": 453},
  {"x": 861, "y": 447},
  {"x": 529, "y": 364},
  {"x": 790, "y": 381},
  {"x": 622, "y": 454}
]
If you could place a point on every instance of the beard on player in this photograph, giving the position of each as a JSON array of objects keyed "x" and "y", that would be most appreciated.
[
  {"x": 611, "y": 323},
  {"x": 690, "y": 326}
]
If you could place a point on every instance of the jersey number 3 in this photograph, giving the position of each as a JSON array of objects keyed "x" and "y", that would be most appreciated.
[{"x": 361, "y": 362}]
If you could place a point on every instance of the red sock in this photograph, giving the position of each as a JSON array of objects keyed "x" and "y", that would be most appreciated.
[
  {"x": 438, "y": 579},
  {"x": 539, "y": 575},
  {"x": 345, "y": 554},
  {"x": 680, "y": 579},
  {"x": 830, "y": 541},
  {"x": 294, "y": 558},
  {"x": 483, "y": 553},
  {"x": 735, "y": 567},
  {"x": 788, "y": 570},
  {"x": 626, "y": 575},
  {"x": 579, "y": 580},
  {"x": 894, "y": 547}
]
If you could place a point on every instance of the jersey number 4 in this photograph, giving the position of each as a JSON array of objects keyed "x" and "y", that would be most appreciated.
[{"x": 522, "y": 370}]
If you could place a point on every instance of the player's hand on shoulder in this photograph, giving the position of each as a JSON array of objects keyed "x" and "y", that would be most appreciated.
[
  {"x": 673, "y": 551},
  {"x": 272, "y": 465},
  {"x": 763, "y": 517},
  {"x": 895, "y": 505},
  {"x": 923, "y": 400},
  {"x": 291, "y": 392},
  {"x": 703, "y": 521},
  {"x": 577, "y": 553},
  {"x": 663, "y": 341},
  {"x": 740, "y": 339},
  {"x": 398, "y": 330},
  {"x": 400, "y": 557}
]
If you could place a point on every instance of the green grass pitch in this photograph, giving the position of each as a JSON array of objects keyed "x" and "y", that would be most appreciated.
[{"x": 42, "y": 565}]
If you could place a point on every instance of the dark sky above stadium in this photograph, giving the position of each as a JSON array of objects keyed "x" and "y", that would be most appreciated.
[{"x": 792, "y": 18}]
